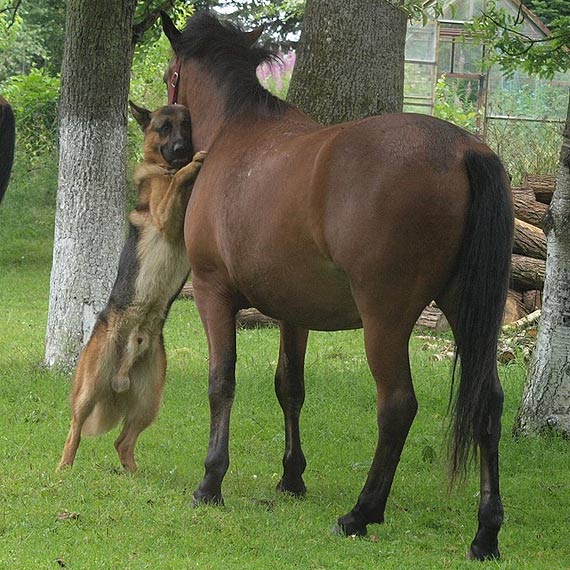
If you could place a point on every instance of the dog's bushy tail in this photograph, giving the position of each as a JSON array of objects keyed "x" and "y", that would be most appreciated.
[{"x": 104, "y": 417}]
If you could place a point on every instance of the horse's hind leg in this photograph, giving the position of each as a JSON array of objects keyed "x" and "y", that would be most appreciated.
[
  {"x": 485, "y": 544},
  {"x": 290, "y": 390},
  {"x": 387, "y": 354}
]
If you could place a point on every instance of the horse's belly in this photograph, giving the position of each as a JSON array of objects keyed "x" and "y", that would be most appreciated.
[{"x": 317, "y": 300}]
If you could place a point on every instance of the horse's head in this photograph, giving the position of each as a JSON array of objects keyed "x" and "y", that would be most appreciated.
[{"x": 207, "y": 47}]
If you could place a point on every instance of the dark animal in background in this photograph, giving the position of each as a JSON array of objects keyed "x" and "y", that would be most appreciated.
[
  {"x": 121, "y": 370},
  {"x": 7, "y": 140},
  {"x": 376, "y": 218}
]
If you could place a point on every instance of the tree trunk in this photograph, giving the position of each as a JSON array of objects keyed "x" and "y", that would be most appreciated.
[
  {"x": 546, "y": 401},
  {"x": 333, "y": 84},
  {"x": 90, "y": 212}
]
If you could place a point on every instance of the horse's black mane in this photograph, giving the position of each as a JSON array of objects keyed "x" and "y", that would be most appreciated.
[{"x": 224, "y": 50}]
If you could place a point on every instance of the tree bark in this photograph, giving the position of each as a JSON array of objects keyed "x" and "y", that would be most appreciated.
[
  {"x": 90, "y": 211},
  {"x": 546, "y": 400},
  {"x": 333, "y": 84}
]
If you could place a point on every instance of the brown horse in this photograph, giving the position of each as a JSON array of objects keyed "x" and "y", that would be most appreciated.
[
  {"x": 326, "y": 228},
  {"x": 7, "y": 138}
]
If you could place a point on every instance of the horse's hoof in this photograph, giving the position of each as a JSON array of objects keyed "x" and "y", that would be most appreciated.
[
  {"x": 201, "y": 498},
  {"x": 349, "y": 526},
  {"x": 130, "y": 468},
  {"x": 477, "y": 552},
  {"x": 298, "y": 489}
]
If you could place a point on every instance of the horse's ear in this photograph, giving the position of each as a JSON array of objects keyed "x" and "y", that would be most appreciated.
[
  {"x": 172, "y": 33},
  {"x": 141, "y": 115},
  {"x": 253, "y": 36}
]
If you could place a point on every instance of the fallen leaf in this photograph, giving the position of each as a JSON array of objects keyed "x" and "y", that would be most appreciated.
[{"x": 67, "y": 516}]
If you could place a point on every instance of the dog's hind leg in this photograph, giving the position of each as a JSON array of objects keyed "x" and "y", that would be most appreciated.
[
  {"x": 82, "y": 407},
  {"x": 147, "y": 381},
  {"x": 137, "y": 344}
]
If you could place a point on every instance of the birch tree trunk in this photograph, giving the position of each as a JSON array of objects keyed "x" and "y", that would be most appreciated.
[
  {"x": 546, "y": 401},
  {"x": 350, "y": 62},
  {"x": 90, "y": 211}
]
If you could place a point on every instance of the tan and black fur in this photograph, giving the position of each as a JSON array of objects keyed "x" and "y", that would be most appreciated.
[{"x": 121, "y": 371}]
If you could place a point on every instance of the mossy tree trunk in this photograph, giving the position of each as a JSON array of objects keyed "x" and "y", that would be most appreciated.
[
  {"x": 90, "y": 212},
  {"x": 546, "y": 401},
  {"x": 350, "y": 61}
]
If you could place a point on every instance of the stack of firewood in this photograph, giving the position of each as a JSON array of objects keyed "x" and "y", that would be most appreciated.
[{"x": 529, "y": 249}]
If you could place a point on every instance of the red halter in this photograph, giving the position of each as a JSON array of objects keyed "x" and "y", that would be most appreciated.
[{"x": 173, "y": 83}]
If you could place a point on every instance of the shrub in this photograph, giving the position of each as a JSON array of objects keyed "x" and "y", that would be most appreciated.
[{"x": 35, "y": 99}]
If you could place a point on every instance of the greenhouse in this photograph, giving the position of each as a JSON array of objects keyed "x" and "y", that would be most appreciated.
[{"x": 445, "y": 77}]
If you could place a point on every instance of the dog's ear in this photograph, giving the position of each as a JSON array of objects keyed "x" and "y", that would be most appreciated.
[
  {"x": 253, "y": 36},
  {"x": 171, "y": 31},
  {"x": 141, "y": 115}
]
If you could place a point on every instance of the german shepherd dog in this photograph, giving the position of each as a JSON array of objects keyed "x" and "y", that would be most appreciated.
[{"x": 121, "y": 370}]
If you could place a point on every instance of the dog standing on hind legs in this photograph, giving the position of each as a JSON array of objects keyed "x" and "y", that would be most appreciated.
[{"x": 121, "y": 370}]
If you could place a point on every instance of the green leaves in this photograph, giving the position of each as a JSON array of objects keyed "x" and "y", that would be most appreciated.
[{"x": 512, "y": 47}]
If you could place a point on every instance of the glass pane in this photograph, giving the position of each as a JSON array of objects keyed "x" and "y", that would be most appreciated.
[
  {"x": 444, "y": 57},
  {"x": 419, "y": 79},
  {"x": 467, "y": 57},
  {"x": 420, "y": 43},
  {"x": 458, "y": 10},
  {"x": 530, "y": 97},
  {"x": 463, "y": 10},
  {"x": 422, "y": 109}
]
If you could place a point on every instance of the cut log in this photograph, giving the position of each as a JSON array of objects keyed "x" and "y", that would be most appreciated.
[
  {"x": 524, "y": 322},
  {"x": 245, "y": 319},
  {"x": 252, "y": 318},
  {"x": 514, "y": 308},
  {"x": 542, "y": 185},
  {"x": 429, "y": 317},
  {"x": 529, "y": 240},
  {"x": 187, "y": 291},
  {"x": 532, "y": 300},
  {"x": 527, "y": 273},
  {"x": 527, "y": 207}
]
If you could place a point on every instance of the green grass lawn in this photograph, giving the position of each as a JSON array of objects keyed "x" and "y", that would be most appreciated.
[{"x": 146, "y": 521}]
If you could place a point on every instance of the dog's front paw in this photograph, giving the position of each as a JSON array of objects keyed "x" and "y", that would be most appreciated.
[{"x": 199, "y": 156}]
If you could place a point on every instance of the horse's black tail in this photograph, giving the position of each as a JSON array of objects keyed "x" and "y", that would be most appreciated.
[
  {"x": 7, "y": 139},
  {"x": 483, "y": 273}
]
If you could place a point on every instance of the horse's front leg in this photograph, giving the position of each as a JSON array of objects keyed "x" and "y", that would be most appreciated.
[
  {"x": 290, "y": 390},
  {"x": 218, "y": 316}
]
